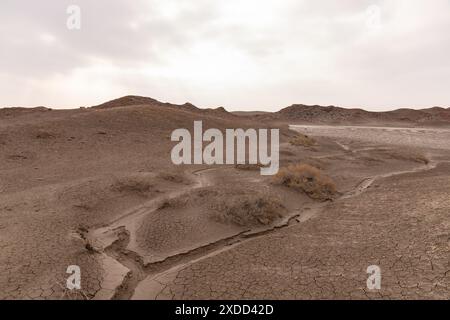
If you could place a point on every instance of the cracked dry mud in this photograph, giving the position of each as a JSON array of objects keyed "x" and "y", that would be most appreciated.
[
  {"x": 326, "y": 257},
  {"x": 141, "y": 234},
  {"x": 325, "y": 253}
]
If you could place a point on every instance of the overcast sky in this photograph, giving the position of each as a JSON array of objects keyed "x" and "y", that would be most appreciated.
[{"x": 240, "y": 54}]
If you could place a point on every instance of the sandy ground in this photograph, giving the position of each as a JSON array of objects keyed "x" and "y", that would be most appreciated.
[{"x": 96, "y": 188}]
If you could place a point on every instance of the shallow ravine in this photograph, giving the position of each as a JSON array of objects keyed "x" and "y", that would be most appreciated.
[{"x": 131, "y": 261}]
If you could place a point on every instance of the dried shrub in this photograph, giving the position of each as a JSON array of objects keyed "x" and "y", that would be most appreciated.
[
  {"x": 248, "y": 210},
  {"x": 302, "y": 140},
  {"x": 308, "y": 179}
]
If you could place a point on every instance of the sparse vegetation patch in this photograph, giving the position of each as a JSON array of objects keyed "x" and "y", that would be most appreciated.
[
  {"x": 248, "y": 210},
  {"x": 308, "y": 179},
  {"x": 302, "y": 140}
]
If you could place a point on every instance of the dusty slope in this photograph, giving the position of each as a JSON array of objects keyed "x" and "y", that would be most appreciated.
[{"x": 66, "y": 171}]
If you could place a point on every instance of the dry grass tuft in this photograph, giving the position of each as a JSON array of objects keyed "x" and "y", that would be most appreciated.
[
  {"x": 248, "y": 210},
  {"x": 302, "y": 140},
  {"x": 249, "y": 167},
  {"x": 308, "y": 179}
]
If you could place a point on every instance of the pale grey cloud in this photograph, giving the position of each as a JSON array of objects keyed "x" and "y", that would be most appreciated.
[{"x": 262, "y": 54}]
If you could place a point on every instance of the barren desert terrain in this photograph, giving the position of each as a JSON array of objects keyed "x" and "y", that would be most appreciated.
[{"x": 95, "y": 187}]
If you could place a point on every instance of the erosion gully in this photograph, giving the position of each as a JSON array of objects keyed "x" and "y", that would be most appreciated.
[{"x": 140, "y": 271}]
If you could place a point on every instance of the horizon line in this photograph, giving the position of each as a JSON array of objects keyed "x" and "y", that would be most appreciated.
[{"x": 244, "y": 109}]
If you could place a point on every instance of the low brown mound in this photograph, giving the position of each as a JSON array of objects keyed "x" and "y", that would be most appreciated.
[
  {"x": 402, "y": 154},
  {"x": 230, "y": 206},
  {"x": 251, "y": 209},
  {"x": 128, "y": 101},
  {"x": 302, "y": 140},
  {"x": 174, "y": 177},
  {"x": 134, "y": 184},
  {"x": 308, "y": 179},
  {"x": 173, "y": 203},
  {"x": 18, "y": 111},
  {"x": 108, "y": 194},
  {"x": 407, "y": 155},
  {"x": 299, "y": 113}
]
